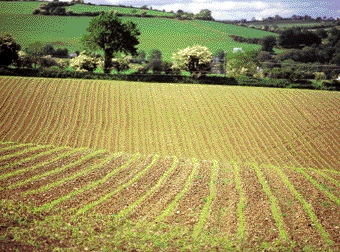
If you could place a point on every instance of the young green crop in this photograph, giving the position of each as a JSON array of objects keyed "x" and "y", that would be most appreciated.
[
  {"x": 13, "y": 147},
  {"x": 273, "y": 204},
  {"x": 207, "y": 207},
  {"x": 305, "y": 204},
  {"x": 317, "y": 185},
  {"x": 90, "y": 186},
  {"x": 154, "y": 188},
  {"x": 172, "y": 205},
  {"x": 241, "y": 204},
  {"x": 58, "y": 169},
  {"x": 56, "y": 183},
  {"x": 105, "y": 197},
  {"x": 22, "y": 152},
  {"x": 46, "y": 153}
]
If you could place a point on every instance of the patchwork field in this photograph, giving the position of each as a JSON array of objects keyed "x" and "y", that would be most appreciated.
[
  {"x": 169, "y": 36},
  {"x": 159, "y": 167}
]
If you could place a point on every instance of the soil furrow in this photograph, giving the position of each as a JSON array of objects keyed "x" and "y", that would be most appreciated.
[
  {"x": 78, "y": 193},
  {"x": 159, "y": 200},
  {"x": 298, "y": 223},
  {"x": 223, "y": 219},
  {"x": 260, "y": 223},
  {"x": 134, "y": 189}
]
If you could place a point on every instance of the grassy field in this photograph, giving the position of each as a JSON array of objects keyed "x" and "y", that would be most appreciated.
[
  {"x": 291, "y": 23},
  {"x": 158, "y": 167},
  {"x": 78, "y": 8},
  {"x": 28, "y": 8},
  {"x": 12, "y": 7},
  {"x": 167, "y": 35}
]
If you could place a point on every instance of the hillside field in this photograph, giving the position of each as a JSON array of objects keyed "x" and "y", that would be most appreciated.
[
  {"x": 167, "y": 35},
  {"x": 159, "y": 167}
]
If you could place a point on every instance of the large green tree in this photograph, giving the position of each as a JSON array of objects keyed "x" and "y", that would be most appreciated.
[
  {"x": 8, "y": 50},
  {"x": 109, "y": 33},
  {"x": 35, "y": 51}
]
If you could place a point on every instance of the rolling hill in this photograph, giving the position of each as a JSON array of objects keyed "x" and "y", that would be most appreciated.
[
  {"x": 200, "y": 168},
  {"x": 167, "y": 35}
]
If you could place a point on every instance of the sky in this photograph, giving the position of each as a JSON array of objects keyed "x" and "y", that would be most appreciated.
[{"x": 242, "y": 9}]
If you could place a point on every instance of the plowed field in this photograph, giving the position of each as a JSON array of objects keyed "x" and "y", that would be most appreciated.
[{"x": 153, "y": 167}]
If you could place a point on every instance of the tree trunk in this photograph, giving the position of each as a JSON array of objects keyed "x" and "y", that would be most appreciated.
[{"x": 108, "y": 61}]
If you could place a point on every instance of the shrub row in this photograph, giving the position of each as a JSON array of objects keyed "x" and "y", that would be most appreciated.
[{"x": 162, "y": 78}]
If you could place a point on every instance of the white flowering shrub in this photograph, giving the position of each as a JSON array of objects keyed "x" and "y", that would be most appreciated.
[
  {"x": 196, "y": 59},
  {"x": 23, "y": 60},
  {"x": 84, "y": 62},
  {"x": 319, "y": 76}
]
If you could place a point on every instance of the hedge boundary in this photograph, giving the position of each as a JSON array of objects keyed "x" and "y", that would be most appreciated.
[{"x": 161, "y": 78}]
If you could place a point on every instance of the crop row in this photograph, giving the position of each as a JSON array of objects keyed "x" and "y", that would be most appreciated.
[
  {"x": 271, "y": 201},
  {"x": 264, "y": 126}
]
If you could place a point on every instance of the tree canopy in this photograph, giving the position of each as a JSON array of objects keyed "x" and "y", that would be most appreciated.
[
  {"x": 8, "y": 50},
  {"x": 109, "y": 33}
]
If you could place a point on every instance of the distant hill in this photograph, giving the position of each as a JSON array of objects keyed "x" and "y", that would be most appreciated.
[{"x": 167, "y": 35}]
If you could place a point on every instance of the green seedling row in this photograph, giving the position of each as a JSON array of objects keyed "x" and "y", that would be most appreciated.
[
  {"x": 85, "y": 113},
  {"x": 241, "y": 204},
  {"x": 248, "y": 132},
  {"x": 273, "y": 204},
  {"x": 172, "y": 205},
  {"x": 267, "y": 118},
  {"x": 28, "y": 159},
  {"x": 23, "y": 152},
  {"x": 324, "y": 133},
  {"x": 7, "y": 88},
  {"x": 109, "y": 195},
  {"x": 220, "y": 125},
  {"x": 69, "y": 131},
  {"x": 42, "y": 93},
  {"x": 13, "y": 147},
  {"x": 154, "y": 188},
  {"x": 326, "y": 192},
  {"x": 57, "y": 114},
  {"x": 80, "y": 129},
  {"x": 47, "y": 105},
  {"x": 49, "y": 186},
  {"x": 99, "y": 107},
  {"x": 254, "y": 129},
  {"x": 204, "y": 134},
  {"x": 239, "y": 139},
  {"x": 326, "y": 176},
  {"x": 11, "y": 106},
  {"x": 56, "y": 170},
  {"x": 301, "y": 136},
  {"x": 43, "y": 164},
  {"x": 307, "y": 207},
  {"x": 90, "y": 186},
  {"x": 207, "y": 207},
  {"x": 37, "y": 113},
  {"x": 70, "y": 105}
]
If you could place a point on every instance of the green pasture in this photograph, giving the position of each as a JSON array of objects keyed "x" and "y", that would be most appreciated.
[
  {"x": 167, "y": 35},
  {"x": 291, "y": 24},
  {"x": 28, "y": 7},
  {"x": 18, "y": 7},
  {"x": 78, "y": 8},
  {"x": 233, "y": 29}
]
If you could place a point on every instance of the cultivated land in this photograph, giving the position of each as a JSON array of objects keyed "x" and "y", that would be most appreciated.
[
  {"x": 107, "y": 164},
  {"x": 168, "y": 35}
]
